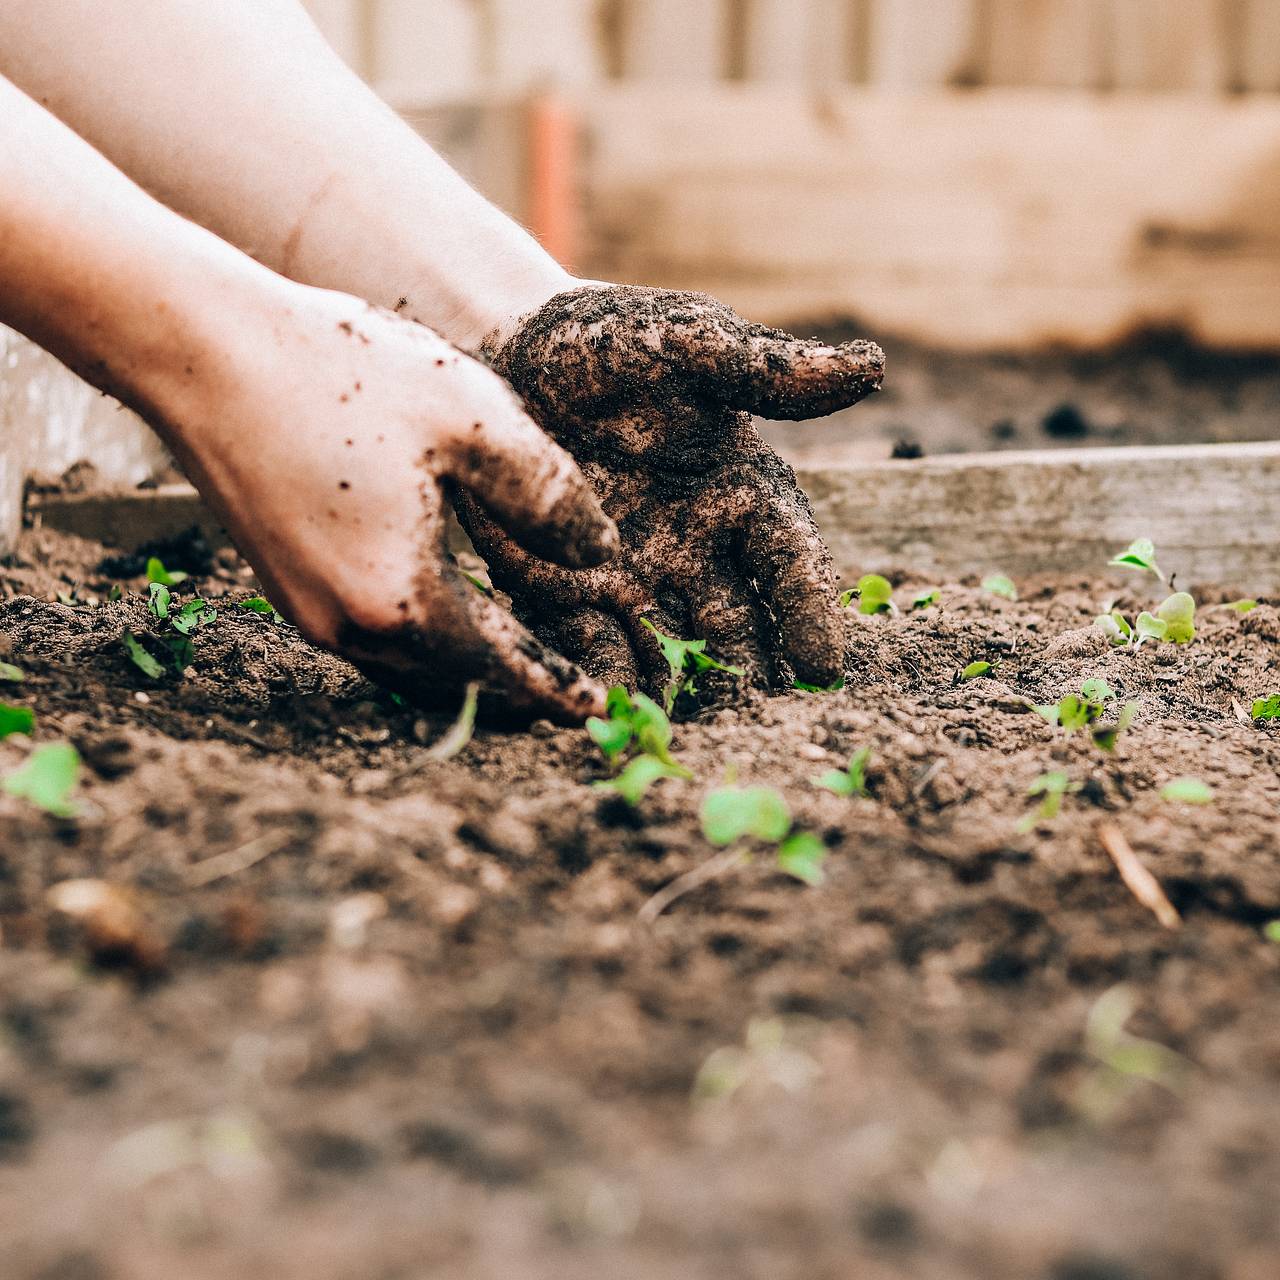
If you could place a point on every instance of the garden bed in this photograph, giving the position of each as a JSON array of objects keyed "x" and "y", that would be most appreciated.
[{"x": 408, "y": 1022}]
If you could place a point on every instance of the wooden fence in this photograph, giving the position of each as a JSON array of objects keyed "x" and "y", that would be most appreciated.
[{"x": 452, "y": 49}]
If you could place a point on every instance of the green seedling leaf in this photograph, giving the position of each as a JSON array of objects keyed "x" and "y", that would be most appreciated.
[
  {"x": 1052, "y": 786},
  {"x": 730, "y": 813},
  {"x": 260, "y": 604},
  {"x": 633, "y": 721},
  {"x": 802, "y": 855},
  {"x": 47, "y": 779},
  {"x": 875, "y": 594},
  {"x": 1140, "y": 554},
  {"x": 613, "y": 737},
  {"x": 181, "y": 650},
  {"x": 1097, "y": 690},
  {"x": 848, "y": 597},
  {"x": 459, "y": 732},
  {"x": 1242, "y": 606},
  {"x": 1271, "y": 931},
  {"x": 140, "y": 657},
  {"x": 999, "y": 585},
  {"x": 116, "y": 593},
  {"x": 685, "y": 658},
  {"x": 925, "y": 598},
  {"x": 1187, "y": 791},
  {"x": 192, "y": 616},
  {"x": 819, "y": 688},
  {"x": 160, "y": 600},
  {"x": 1178, "y": 613},
  {"x": 1266, "y": 708},
  {"x": 976, "y": 670},
  {"x": 850, "y": 782},
  {"x": 639, "y": 775},
  {"x": 12, "y": 674},
  {"x": 156, "y": 572},
  {"x": 1105, "y": 736},
  {"x": 1115, "y": 626},
  {"x": 479, "y": 583},
  {"x": 16, "y": 719},
  {"x": 1149, "y": 627}
]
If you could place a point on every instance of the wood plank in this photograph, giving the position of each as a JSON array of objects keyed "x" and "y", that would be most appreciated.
[
  {"x": 675, "y": 40},
  {"x": 916, "y": 44},
  {"x": 541, "y": 44},
  {"x": 1061, "y": 511},
  {"x": 1050, "y": 43},
  {"x": 1156, "y": 45},
  {"x": 989, "y": 218},
  {"x": 436, "y": 52},
  {"x": 1259, "y": 46},
  {"x": 1065, "y": 511}
]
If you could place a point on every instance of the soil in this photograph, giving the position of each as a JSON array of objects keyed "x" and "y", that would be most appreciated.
[
  {"x": 415, "y": 1028},
  {"x": 1157, "y": 388}
]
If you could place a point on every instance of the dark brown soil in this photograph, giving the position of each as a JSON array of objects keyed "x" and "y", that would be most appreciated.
[
  {"x": 1159, "y": 388},
  {"x": 423, "y": 1033}
]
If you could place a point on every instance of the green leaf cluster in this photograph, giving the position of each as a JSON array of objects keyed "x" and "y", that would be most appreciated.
[
  {"x": 160, "y": 576},
  {"x": 847, "y": 782},
  {"x": 260, "y": 604},
  {"x": 1140, "y": 554},
  {"x": 179, "y": 625},
  {"x": 1173, "y": 621},
  {"x": 1266, "y": 708},
  {"x": 999, "y": 585},
  {"x": 685, "y": 660},
  {"x": 976, "y": 670},
  {"x": 1085, "y": 709},
  {"x": 637, "y": 727},
  {"x": 47, "y": 779},
  {"x": 873, "y": 593},
  {"x": 730, "y": 814},
  {"x": 1052, "y": 787}
]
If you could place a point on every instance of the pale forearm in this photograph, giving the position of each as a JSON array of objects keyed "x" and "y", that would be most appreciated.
[{"x": 238, "y": 115}]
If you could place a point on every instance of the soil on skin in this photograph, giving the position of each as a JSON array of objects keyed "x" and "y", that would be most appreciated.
[
  {"x": 1158, "y": 388},
  {"x": 423, "y": 1034}
]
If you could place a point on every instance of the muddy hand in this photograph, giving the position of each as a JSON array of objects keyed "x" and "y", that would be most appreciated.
[{"x": 652, "y": 392}]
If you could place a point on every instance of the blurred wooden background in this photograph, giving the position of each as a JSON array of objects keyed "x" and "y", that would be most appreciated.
[{"x": 457, "y": 48}]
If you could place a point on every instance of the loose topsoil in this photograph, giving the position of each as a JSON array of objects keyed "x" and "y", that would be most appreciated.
[{"x": 414, "y": 1027}]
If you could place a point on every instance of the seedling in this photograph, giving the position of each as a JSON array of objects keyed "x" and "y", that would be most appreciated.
[
  {"x": 479, "y": 583},
  {"x": 1267, "y": 708},
  {"x": 15, "y": 719},
  {"x": 47, "y": 779},
  {"x": 635, "y": 723},
  {"x": 1075, "y": 712},
  {"x": 1271, "y": 931},
  {"x": 1241, "y": 606},
  {"x": 1187, "y": 791},
  {"x": 1105, "y": 736},
  {"x": 156, "y": 572},
  {"x": 819, "y": 688},
  {"x": 1115, "y": 626},
  {"x": 730, "y": 814},
  {"x": 260, "y": 604},
  {"x": 847, "y": 782},
  {"x": 1052, "y": 787},
  {"x": 976, "y": 670},
  {"x": 686, "y": 660},
  {"x": 873, "y": 593},
  {"x": 140, "y": 657},
  {"x": 1124, "y": 1061},
  {"x": 116, "y": 593},
  {"x": 192, "y": 616},
  {"x": 458, "y": 734},
  {"x": 923, "y": 599},
  {"x": 12, "y": 674},
  {"x": 999, "y": 585},
  {"x": 1140, "y": 554},
  {"x": 1173, "y": 621}
]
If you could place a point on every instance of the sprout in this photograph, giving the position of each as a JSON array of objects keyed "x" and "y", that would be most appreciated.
[
  {"x": 850, "y": 782},
  {"x": 260, "y": 604},
  {"x": 999, "y": 585},
  {"x": 157, "y": 573},
  {"x": 1266, "y": 708},
  {"x": 730, "y": 814},
  {"x": 685, "y": 658},
  {"x": 1178, "y": 613},
  {"x": 1187, "y": 791},
  {"x": 975, "y": 670},
  {"x": 1140, "y": 554},
  {"x": 47, "y": 779},
  {"x": 873, "y": 593},
  {"x": 1053, "y": 786},
  {"x": 923, "y": 599},
  {"x": 12, "y": 674},
  {"x": 16, "y": 719}
]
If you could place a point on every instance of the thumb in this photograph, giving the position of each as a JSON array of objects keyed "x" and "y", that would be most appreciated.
[
  {"x": 797, "y": 378},
  {"x": 533, "y": 488}
]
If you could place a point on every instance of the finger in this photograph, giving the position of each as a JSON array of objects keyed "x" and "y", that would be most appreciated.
[
  {"x": 796, "y": 378},
  {"x": 785, "y": 554},
  {"x": 533, "y": 488},
  {"x": 727, "y": 617}
]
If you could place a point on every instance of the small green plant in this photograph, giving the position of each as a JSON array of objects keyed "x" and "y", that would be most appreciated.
[
  {"x": 686, "y": 659},
  {"x": 923, "y": 599},
  {"x": 11, "y": 674},
  {"x": 1173, "y": 621},
  {"x": 999, "y": 585},
  {"x": 193, "y": 615},
  {"x": 730, "y": 814},
  {"x": 1267, "y": 708},
  {"x": 1241, "y": 606},
  {"x": 160, "y": 600},
  {"x": 157, "y": 573},
  {"x": 183, "y": 623},
  {"x": 116, "y": 592},
  {"x": 1052, "y": 787},
  {"x": 634, "y": 724},
  {"x": 1080, "y": 711},
  {"x": 976, "y": 670},
  {"x": 1105, "y": 736},
  {"x": 1187, "y": 791},
  {"x": 139, "y": 656},
  {"x": 260, "y": 604},
  {"x": 819, "y": 688},
  {"x": 873, "y": 593},
  {"x": 847, "y": 782},
  {"x": 1139, "y": 554},
  {"x": 15, "y": 719},
  {"x": 1271, "y": 931},
  {"x": 47, "y": 778}
]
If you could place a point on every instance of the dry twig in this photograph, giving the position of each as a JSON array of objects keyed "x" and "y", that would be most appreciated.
[
  {"x": 1140, "y": 882},
  {"x": 686, "y": 883}
]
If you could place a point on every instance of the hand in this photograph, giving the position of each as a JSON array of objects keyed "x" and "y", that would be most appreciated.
[
  {"x": 325, "y": 432},
  {"x": 652, "y": 392}
]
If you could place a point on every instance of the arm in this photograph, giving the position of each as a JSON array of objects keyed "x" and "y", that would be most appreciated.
[
  {"x": 322, "y": 430},
  {"x": 239, "y": 115}
]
